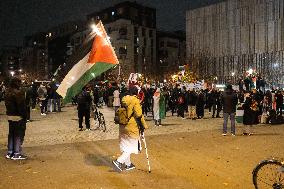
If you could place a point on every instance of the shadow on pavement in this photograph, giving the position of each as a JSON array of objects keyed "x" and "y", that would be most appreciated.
[{"x": 98, "y": 160}]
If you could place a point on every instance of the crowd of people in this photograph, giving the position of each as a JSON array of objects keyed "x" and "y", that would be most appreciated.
[{"x": 256, "y": 106}]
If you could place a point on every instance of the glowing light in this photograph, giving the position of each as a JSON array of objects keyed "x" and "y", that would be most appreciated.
[
  {"x": 220, "y": 86},
  {"x": 96, "y": 30},
  {"x": 275, "y": 65},
  {"x": 165, "y": 80},
  {"x": 233, "y": 73},
  {"x": 12, "y": 73}
]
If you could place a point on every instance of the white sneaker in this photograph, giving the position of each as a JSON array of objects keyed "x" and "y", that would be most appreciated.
[{"x": 43, "y": 114}]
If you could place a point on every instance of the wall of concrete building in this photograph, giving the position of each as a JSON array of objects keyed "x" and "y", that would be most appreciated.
[
  {"x": 171, "y": 52},
  {"x": 236, "y": 35},
  {"x": 136, "y": 51}
]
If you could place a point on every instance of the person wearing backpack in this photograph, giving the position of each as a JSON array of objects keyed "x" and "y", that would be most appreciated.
[
  {"x": 42, "y": 95},
  {"x": 129, "y": 132}
]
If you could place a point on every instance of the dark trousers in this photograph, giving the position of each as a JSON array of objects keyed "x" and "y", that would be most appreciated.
[
  {"x": 33, "y": 102},
  {"x": 16, "y": 136},
  {"x": 28, "y": 112},
  {"x": 180, "y": 111},
  {"x": 84, "y": 113},
  {"x": 56, "y": 105},
  {"x": 43, "y": 106},
  {"x": 145, "y": 108},
  {"x": 216, "y": 109},
  {"x": 232, "y": 118},
  {"x": 279, "y": 109}
]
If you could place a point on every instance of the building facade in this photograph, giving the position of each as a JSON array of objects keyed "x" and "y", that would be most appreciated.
[
  {"x": 10, "y": 61},
  {"x": 44, "y": 52},
  {"x": 171, "y": 53},
  {"x": 132, "y": 31},
  {"x": 225, "y": 40}
]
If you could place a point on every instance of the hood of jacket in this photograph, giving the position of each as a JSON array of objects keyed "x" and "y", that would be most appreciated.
[{"x": 128, "y": 99}]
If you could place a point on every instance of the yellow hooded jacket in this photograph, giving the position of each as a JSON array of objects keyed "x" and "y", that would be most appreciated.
[{"x": 134, "y": 110}]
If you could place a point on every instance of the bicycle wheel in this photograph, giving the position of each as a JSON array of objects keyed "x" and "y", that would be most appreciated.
[
  {"x": 102, "y": 123},
  {"x": 269, "y": 174}
]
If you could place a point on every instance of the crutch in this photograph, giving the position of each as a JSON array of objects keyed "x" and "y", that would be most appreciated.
[{"x": 146, "y": 151}]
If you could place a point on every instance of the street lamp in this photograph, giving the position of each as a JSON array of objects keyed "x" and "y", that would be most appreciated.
[{"x": 12, "y": 73}]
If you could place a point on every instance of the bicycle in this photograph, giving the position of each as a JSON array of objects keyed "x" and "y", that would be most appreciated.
[
  {"x": 269, "y": 174},
  {"x": 99, "y": 116}
]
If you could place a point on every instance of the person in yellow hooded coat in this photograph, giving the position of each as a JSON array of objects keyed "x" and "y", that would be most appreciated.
[{"x": 129, "y": 134}]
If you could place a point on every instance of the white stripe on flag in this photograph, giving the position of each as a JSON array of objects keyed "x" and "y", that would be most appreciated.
[{"x": 74, "y": 75}]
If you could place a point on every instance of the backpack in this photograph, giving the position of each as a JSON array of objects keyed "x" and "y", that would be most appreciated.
[
  {"x": 121, "y": 117},
  {"x": 81, "y": 99}
]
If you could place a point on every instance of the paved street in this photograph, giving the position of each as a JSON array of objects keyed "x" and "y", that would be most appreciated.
[
  {"x": 183, "y": 154},
  {"x": 59, "y": 128}
]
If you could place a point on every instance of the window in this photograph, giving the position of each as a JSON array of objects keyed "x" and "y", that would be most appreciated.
[
  {"x": 123, "y": 31},
  {"x": 143, "y": 32},
  {"x": 120, "y": 11},
  {"x": 136, "y": 50},
  {"x": 172, "y": 44},
  {"x": 122, "y": 50},
  {"x": 135, "y": 31},
  {"x": 150, "y": 33}
]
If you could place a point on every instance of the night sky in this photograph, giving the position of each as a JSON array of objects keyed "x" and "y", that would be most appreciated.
[{"x": 25, "y": 17}]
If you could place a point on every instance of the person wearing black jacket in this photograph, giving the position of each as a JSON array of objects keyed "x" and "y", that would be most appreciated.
[
  {"x": 215, "y": 102},
  {"x": 28, "y": 95},
  {"x": 84, "y": 106},
  {"x": 15, "y": 103},
  {"x": 279, "y": 102},
  {"x": 229, "y": 101},
  {"x": 191, "y": 100}
]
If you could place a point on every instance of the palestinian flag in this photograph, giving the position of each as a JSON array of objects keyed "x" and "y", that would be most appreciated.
[{"x": 100, "y": 59}]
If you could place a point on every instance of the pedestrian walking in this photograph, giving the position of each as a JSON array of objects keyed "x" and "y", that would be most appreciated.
[
  {"x": 42, "y": 95},
  {"x": 229, "y": 101},
  {"x": 129, "y": 134},
  {"x": 15, "y": 103}
]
